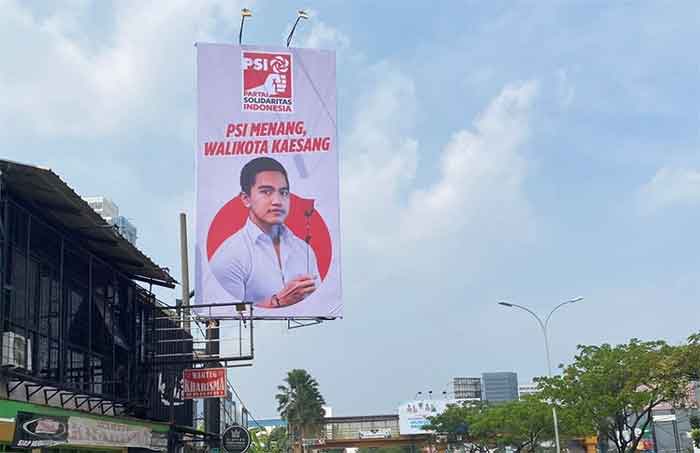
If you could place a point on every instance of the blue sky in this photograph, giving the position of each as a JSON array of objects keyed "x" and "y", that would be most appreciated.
[{"x": 521, "y": 151}]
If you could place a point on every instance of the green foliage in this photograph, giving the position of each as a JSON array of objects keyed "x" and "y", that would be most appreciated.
[
  {"x": 274, "y": 442},
  {"x": 611, "y": 390},
  {"x": 695, "y": 435},
  {"x": 522, "y": 424},
  {"x": 258, "y": 438},
  {"x": 300, "y": 403}
]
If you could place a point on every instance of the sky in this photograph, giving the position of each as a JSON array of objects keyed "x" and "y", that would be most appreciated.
[{"x": 526, "y": 151}]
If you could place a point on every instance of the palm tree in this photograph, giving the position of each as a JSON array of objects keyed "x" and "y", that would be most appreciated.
[{"x": 300, "y": 403}]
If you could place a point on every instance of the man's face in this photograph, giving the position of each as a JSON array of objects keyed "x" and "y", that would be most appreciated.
[{"x": 268, "y": 201}]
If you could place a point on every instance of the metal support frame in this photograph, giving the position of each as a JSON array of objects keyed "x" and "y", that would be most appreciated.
[
  {"x": 14, "y": 387},
  {"x": 32, "y": 389},
  {"x": 71, "y": 397},
  {"x": 164, "y": 342},
  {"x": 298, "y": 323},
  {"x": 48, "y": 398},
  {"x": 80, "y": 401}
]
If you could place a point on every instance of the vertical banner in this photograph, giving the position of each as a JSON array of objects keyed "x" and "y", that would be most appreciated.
[{"x": 267, "y": 197}]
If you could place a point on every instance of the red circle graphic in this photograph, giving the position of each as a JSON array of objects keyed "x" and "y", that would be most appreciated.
[{"x": 232, "y": 217}]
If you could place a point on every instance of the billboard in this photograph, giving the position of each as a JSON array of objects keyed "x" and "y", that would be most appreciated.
[
  {"x": 267, "y": 213},
  {"x": 413, "y": 415}
]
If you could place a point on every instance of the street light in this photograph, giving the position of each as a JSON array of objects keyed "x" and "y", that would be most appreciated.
[{"x": 543, "y": 326}]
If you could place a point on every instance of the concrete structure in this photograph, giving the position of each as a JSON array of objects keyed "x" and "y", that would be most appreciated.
[
  {"x": 109, "y": 211},
  {"x": 527, "y": 389},
  {"x": 499, "y": 386},
  {"x": 465, "y": 388}
]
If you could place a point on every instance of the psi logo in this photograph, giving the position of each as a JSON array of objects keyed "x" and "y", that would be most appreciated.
[{"x": 267, "y": 82}]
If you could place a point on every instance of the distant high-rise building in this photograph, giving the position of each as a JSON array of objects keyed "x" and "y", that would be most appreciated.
[
  {"x": 104, "y": 207},
  {"x": 527, "y": 389},
  {"x": 500, "y": 386},
  {"x": 465, "y": 388},
  {"x": 126, "y": 228},
  {"x": 109, "y": 211}
]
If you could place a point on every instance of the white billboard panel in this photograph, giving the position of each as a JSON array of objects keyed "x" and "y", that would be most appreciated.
[
  {"x": 267, "y": 213},
  {"x": 413, "y": 415}
]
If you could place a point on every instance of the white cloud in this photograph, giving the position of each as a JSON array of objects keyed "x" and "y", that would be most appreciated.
[
  {"x": 323, "y": 36},
  {"x": 479, "y": 183},
  {"x": 671, "y": 186},
  {"x": 58, "y": 83}
]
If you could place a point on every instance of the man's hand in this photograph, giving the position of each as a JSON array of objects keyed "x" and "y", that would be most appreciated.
[{"x": 296, "y": 290}]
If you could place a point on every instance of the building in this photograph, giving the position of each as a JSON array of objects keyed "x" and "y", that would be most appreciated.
[
  {"x": 465, "y": 388},
  {"x": 109, "y": 211},
  {"x": 126, "y": 229},
  {"x": 527, "y": 389},
  {"x": 105, "y": 207},
  {"x": 76, "y": 344},
  {"x": 499, "y": 386}
]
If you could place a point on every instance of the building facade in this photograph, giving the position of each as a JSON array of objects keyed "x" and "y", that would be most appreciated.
[
  {"x": 465, "y": 388},
  {"x": 499, "y": 386},
  {"x": 527, "y": 389},
  {"x": 75, "y": 326}
]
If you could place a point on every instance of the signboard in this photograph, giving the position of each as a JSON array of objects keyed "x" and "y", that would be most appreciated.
[
  {"x": 236, "y": 439},
  {"x": 665, "y": 418},
  {"x": 267, "y": 210},
  {"x": 413, "y": 415},
  {"x": 37, "y": 431},
  {"x": 375, "y": 434},
  {"x": 204, "y": 383}
]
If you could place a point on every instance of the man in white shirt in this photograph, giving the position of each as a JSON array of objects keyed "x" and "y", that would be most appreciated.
[{"x": 265, "y": 262}]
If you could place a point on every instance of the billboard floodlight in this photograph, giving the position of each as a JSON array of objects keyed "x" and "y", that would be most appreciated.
[
  {"x": 245, "y": 12},
  {"x": 301, "y": 14}
]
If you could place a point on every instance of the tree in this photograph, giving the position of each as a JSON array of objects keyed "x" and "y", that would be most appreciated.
[
  {"x": 278, "y": 440},
  {"x": 456, "y": 423},
  {"x": 274, "y": 442},
  {"x": 612, "y": 390},
  {"x": 522, "y": 424},
  {"x": 300, "y": 403}
]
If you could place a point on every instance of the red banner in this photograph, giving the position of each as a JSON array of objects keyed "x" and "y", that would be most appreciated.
[{"x": 204, "y": 383}]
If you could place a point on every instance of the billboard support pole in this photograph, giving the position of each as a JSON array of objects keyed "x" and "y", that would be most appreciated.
[
  {"x": 184, "y": 263},
  {"x": 212, "y": 414}
]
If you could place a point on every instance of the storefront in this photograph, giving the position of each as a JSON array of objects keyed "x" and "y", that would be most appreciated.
[{"x": 35, "y": 426}]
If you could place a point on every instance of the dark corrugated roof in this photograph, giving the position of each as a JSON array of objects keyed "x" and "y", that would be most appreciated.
[{"x": 43, "y": 190}]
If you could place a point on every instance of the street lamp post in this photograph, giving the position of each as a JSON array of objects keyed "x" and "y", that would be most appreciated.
[{"x": 543, "y": 326}]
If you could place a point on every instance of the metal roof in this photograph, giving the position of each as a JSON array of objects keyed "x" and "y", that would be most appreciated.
[{"x": 43, "y": 190}]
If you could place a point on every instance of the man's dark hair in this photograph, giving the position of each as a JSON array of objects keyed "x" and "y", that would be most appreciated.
[{"x": 257, "y": 165}]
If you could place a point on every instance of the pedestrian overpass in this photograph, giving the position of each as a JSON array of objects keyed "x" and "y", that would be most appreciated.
[
  {"x": 372, "y": 431},
  {"x": 369, "y": 431}
]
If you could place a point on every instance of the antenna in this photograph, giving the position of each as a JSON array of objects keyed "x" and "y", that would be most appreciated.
[
  {"x": 245, "y": 12},
  {"x": 301, "y": 14}
]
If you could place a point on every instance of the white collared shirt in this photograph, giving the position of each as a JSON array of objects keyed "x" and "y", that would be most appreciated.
[{"x": 246, "y": 264}]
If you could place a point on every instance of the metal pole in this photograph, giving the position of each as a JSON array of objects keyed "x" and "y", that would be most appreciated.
[
  {"x": 675, "y": 435},
  {"x": 184, "y": 263},
  {"x": 543, "y": 326},
  {"x": 653, "y": 434}
]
